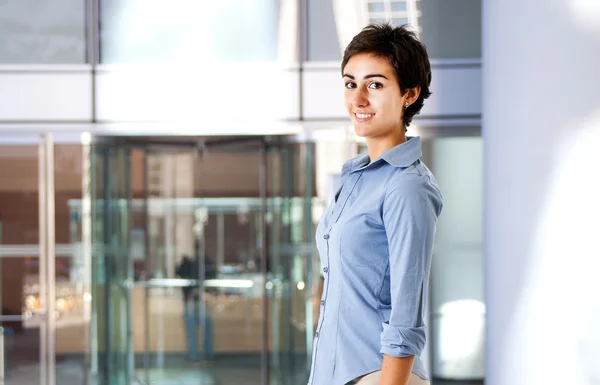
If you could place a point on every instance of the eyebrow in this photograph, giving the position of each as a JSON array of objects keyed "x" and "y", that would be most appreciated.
[{"x": 366, "y": 77}]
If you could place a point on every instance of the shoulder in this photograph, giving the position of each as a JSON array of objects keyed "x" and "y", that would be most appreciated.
[
  {"x": 414, "y": 182},
  {"x": 414, "y": 178}
]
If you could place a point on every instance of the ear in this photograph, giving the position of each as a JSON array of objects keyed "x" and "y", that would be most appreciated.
[{"x": 412, "y": 94}]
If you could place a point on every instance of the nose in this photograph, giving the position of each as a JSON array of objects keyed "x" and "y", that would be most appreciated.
[{"x": 360, "y": 98}]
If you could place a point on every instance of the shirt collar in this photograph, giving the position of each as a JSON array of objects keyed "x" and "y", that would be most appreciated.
[
  {"x": 402, "y": 155},
  {"x": 405, "y": 154}
]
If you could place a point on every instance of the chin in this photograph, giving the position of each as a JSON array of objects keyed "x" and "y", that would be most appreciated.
[
  {"x": 360, "y": 129},
  {"x": 362, "y": 132}
]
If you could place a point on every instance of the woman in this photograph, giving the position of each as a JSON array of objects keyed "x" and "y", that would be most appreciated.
[{"x": 376, "y": 238}]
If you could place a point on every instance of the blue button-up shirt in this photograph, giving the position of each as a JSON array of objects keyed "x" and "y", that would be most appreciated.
[{"x": 375, "y": 242}]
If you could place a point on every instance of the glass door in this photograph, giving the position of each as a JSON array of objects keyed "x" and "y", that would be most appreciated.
[
  {"x": 111, "y": 347},
  {"x": 27, "y": 260},
  {"x": 290, "y": 226},
  {"x": 174, "y": 341},
  {"x": 203, "y": 260}
]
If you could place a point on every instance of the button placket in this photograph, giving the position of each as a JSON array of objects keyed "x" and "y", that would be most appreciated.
[
  {"x": 345, "y": 193},
  {"x": 332, "y": 218}
]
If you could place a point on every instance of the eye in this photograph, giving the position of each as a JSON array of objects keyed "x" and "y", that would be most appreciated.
[
  {"x": 375, "y": 86},
  {"x": 350, "y": 85}
]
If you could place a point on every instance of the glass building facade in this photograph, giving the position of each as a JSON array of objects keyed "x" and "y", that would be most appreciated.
[{"x": 158, "y": 202}]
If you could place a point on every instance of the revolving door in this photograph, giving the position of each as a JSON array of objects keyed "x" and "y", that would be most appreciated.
[{"x": 202, "y": 259}]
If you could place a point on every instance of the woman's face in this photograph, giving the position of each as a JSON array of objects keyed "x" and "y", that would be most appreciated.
[{"x": 372, "y": 96}]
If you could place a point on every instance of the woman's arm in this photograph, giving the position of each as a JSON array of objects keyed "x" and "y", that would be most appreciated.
[
  {"x": 396, "y": 371},
  {"x": 410, "y": 214}
]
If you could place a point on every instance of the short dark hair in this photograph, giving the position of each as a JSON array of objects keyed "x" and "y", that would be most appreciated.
[{"x": 405, "y": 53}]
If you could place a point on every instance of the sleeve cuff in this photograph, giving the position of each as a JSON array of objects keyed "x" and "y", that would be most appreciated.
[{"x": 402, "y": 341}]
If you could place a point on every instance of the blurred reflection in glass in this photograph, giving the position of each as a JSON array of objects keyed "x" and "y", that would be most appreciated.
[
  {"x": 352, "y": 15},
  {"x": 183, "y": 31},
  {"x": 189, "y": 269},
  {"x": 42, "y": 32}
]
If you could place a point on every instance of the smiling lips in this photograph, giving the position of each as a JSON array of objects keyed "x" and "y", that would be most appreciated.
[{"x": 363, "y": 117}]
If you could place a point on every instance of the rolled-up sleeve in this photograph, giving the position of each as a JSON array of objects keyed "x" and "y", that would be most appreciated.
[{"x": 410, "y": 215}]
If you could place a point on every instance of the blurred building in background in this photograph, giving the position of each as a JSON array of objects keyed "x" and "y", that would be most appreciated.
[{"x": 134, "y": 133}]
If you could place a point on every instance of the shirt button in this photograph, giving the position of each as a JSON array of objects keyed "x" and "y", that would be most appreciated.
[
  {"x": 322, "y": 303},
  {"x": 317, "y": 334},
  {"x": 326, "y": 236},
  {"x": 325, "y": 269}
]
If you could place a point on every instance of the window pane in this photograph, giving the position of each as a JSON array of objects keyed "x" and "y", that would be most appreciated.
[
  {"x": 42, "y": 32},
  {"x": 376, "y": 7},
  {"x": 399, "y": 6},
  {"x": 323, "y": 40},
  {"x": 190, "y": 30},
  {"x": 19, "y": 267},
  {"x": 451, "y": 29},
  {"x": 400, "y": 21},
  {"x": 72, "y": 283},
  {"x": 457, "y": 279}
]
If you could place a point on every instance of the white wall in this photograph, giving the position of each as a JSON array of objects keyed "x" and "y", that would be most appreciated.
[
  {"x": 456, "y": 91},
  {"x": 237, "y": 94},
  {"x": 258, "y": 95},
  {"x": 45, "y": 93},
  {"x": 542, "y": 185}
]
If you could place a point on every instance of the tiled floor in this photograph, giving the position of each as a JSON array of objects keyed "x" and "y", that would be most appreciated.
[
  {"x": 217, "y": 374},
  {"x": 66, "y": 374},
  {"x": 213, "y": 375},
  {"x": 22, "y": 368},
  {"x": 22, "y": 362},
  {"x": 446, "y": 382}
]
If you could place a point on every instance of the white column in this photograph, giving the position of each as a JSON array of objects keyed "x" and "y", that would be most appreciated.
[{"x": 541, "y": 124}]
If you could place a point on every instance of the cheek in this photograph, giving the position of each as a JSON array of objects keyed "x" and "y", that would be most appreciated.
[
  {"x": 347, "y": 102},
  {"x": 394, "y": 111},
  {"x": 399, "y": 113}
]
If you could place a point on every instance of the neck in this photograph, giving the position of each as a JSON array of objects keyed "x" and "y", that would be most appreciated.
[{"x": 378, "y": 146}]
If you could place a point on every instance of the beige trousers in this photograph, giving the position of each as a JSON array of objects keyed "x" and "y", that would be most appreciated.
[{"x": 373, "y": 379}]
